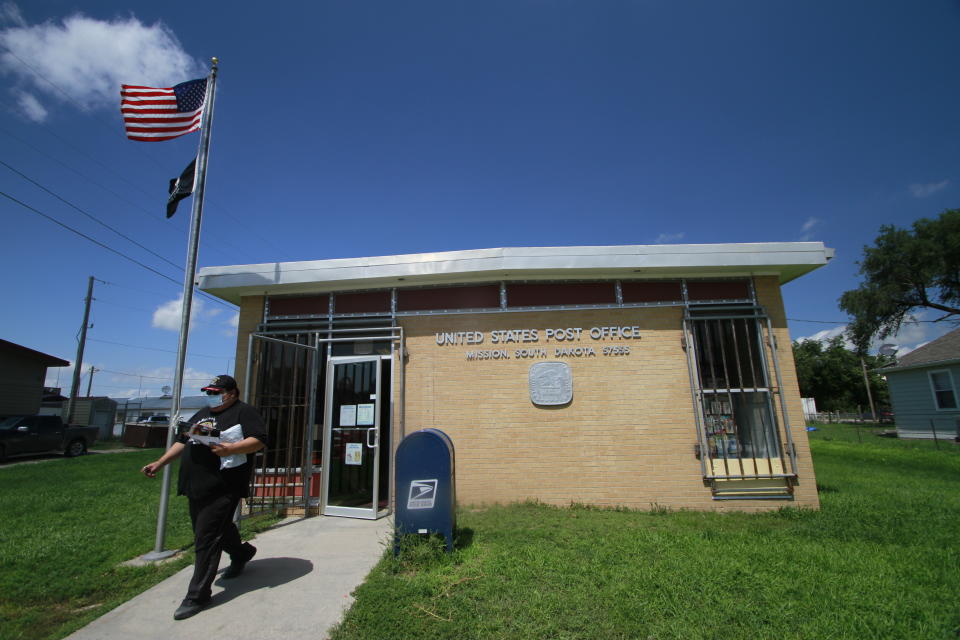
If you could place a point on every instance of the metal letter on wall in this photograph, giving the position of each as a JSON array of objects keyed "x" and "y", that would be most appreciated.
[{"x": 551, "y": 383}]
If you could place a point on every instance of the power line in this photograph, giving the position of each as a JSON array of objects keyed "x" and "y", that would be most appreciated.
[
  {"x": 847, "y": 321},
  {"x": 86, "y": 237},
  {"x": 123, "y": 306},
  {"x": 70, "y": 99},
  {"x": 141, "y": 150},
  {"x": 134, "y": 346},
  {"x": 89, "y": 215},
  {"x": 143, "y": 210},
  {"x": 138, "y": 375},
  {"x": 108, "y": 248},
  {"x": 85, "y": 177}
]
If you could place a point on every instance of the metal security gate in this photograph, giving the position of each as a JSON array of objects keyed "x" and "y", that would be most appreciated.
[
  {"x": 282, "y": 375},
  {"x": 286, "y": 378},
  {"x": 744, "y": 450}
]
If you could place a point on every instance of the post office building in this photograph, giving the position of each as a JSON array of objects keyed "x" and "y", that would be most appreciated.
[{"x": 634, "y": 376}]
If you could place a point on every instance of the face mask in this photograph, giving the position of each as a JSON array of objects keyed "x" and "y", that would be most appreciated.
[{"x": 214, "y": 401}]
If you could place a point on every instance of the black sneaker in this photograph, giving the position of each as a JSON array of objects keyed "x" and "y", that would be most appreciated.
[
  {"x": 189, "y": 608},
  {"x": 240, "y": 561}
]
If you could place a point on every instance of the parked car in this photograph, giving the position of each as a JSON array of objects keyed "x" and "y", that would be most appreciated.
[
  {"x": 21, "y": 435},
  {"x": 155, "y": 419}
]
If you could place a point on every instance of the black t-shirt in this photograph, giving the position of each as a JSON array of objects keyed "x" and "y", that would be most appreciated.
[{"x": 200, "y": 473}]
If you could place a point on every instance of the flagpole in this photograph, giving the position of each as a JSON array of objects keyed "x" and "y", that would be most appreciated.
[{"x": 158, "y": 552}]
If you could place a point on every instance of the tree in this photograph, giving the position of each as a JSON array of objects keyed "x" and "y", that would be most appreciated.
[
  {"x": 832, "y": 374},
  {"x": 905, "y": 271}
]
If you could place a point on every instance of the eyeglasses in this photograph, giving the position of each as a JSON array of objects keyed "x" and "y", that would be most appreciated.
[{"x": 213, "y": 393}]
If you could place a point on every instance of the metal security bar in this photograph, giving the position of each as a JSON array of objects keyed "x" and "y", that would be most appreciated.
[
  {"x": 739, "y": 436},
  {"x": 283, "y": 371}
]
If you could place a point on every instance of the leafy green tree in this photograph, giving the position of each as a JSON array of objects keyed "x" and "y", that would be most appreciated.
[
  {"x": 906, "y": 270},
  {"x": 832, "y": 375}
]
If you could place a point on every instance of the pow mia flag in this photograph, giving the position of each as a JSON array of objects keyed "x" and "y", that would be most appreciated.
[{"x": 181, "y": 187}]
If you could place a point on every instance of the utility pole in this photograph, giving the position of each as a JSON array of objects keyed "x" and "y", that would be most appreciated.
[
  {"x": 93, "y": 370},
  {"x": 866, "y": 381},
  {"x": 79, "y": 361}
]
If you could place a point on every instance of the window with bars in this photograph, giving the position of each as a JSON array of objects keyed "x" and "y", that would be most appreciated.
[{"x": 738, "y": 430}]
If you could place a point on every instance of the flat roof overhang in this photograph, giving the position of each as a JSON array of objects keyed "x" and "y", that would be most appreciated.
[{"x": 786, "y": 260}]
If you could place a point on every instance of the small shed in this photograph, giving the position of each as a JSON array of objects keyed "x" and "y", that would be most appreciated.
[
  {"x": 923, "y": 389},
  {"x": 22, "y": 372},
  {"x": 96, "y": 411}
]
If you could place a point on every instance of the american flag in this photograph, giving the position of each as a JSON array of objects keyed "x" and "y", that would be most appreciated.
[{"x": 151, "y": 114}]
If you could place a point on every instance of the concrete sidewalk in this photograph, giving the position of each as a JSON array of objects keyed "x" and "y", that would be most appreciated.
[{"x": 297, "y": 586}]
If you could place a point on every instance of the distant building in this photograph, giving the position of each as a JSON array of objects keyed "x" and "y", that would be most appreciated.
[
  {"x": 923, "y": 389},
  {"x": 22, "y": 372},
  {"x": 143, "y": 422},
  {"x": 131, "y": 410}
]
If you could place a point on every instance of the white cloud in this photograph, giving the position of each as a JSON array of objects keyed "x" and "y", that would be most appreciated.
[
  {"x": 30, "y": 106},
  {"x": 665, "y": 238},
  {"x": 10, "y": 13},
  {"x": 153, "y": 380},
  {"x": 233, "y": 324},
  {"x": 916, "y": 331},
  {"x": 827, "y": 335},
  {"x": 807, "y": 229},
  {"x": 84, "y": 60},
  {"x": 924, "y": 190},
  {"x": 167, "y": 315}
]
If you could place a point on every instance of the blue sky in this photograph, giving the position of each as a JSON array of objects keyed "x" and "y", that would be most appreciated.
[{"x": 347, "y": 129}]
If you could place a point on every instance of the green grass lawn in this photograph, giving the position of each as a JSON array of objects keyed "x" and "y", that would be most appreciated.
[
  {"x": 881, "y": 559},
  {"x": 66, "y": 525}
]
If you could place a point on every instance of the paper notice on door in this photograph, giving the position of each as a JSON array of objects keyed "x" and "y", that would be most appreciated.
[
  {"x": 348, "y": 415},
  {"x": 354, "y": 453},
  {"x": 365, "y": 415}
]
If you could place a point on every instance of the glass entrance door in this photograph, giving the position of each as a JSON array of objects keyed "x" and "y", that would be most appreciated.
[{"x": 352, "y": 442}]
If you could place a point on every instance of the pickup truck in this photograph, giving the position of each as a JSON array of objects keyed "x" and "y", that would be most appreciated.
[{"x": 42, "y": 434}]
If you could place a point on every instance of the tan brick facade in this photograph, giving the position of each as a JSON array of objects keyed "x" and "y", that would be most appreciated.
[
  {"x": 251, "y": 314},
  {"x": 626, "y": 439}
]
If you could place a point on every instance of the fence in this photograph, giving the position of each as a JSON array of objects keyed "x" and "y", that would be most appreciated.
[{"x": 831, "y": 417}]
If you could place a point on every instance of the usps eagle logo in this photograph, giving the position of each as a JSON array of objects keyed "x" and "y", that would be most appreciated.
[{"x": 423, "y": 493}]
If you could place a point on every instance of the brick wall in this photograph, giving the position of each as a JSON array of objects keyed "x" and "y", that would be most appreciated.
[
  {"x": 627, "y": 437},
  {"x": 251, "y": 314}
]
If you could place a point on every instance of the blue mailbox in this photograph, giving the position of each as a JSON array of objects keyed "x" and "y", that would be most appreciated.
[{"x": 426, "y": 493}]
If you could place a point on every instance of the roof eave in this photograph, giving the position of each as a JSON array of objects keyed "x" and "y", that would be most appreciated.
[
  {"x": 920, "y": 365},
  {"x": 787, "y": 261}
]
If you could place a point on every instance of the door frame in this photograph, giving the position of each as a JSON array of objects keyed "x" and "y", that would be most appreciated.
[{"x": 373, "y": 512}]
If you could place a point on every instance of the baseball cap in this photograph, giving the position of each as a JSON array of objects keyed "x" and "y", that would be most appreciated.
[{"x": 223, "y": 382}]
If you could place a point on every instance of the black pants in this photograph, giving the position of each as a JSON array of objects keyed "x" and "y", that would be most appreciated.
[{"x": 213, "y": 533}]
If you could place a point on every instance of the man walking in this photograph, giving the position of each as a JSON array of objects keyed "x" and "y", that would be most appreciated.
[{"x": 215, "y": 476}]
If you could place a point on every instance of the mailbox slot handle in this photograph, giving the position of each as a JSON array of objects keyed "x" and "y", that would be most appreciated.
[{"x": 376, "y": 433}]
